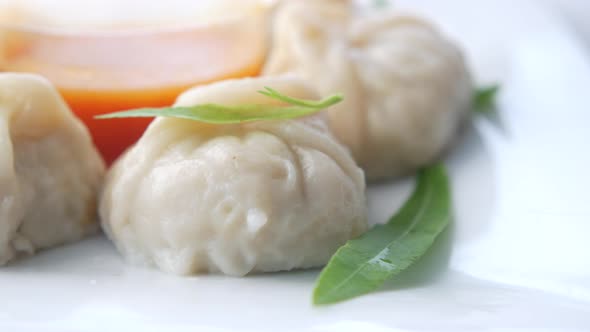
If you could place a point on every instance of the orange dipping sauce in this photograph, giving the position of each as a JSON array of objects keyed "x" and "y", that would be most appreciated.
[{"x": 102, "y": 72}]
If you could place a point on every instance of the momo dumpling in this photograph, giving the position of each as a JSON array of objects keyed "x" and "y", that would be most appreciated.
[
  {"x": 262, "y": 196},
  {"x": 407, "y": 88},
  {"x": 50, "y": 172}
]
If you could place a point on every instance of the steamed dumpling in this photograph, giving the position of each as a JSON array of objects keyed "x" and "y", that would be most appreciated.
[
  {"x": 264, "y": 196},
  {"x": 406, "y": 87},
  {"x": 50, "y": 172}
]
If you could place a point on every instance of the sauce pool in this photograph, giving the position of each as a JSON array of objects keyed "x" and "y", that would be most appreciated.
[{"x": 106, "y": 72}]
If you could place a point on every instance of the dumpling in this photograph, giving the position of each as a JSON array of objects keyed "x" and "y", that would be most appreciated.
[
  {"x": 263, "y": 196},
  {"x": 407, "y": 88},
  {"x": 50, "y": 171}
]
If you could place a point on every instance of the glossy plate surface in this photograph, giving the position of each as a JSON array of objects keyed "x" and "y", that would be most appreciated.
[{"x": 517, "y": 257}]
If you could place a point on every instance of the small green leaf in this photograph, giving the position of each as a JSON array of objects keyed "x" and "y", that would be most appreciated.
[
  {"x": 363, "y": 264},
  {"x": 221, "y": 114},
  {"x": 380, "y": 3},
  {"x": 484, "y": 98},
  {"x": 274, "y": 94}
]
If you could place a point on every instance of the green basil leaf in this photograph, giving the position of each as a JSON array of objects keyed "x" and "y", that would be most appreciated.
[
  {"x": 222, "y": 114},
  {"x": 363, "y": 264},
  {"x": 484, "y": 98}
]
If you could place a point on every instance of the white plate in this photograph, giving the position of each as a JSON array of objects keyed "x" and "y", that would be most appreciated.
[{"x": 518, "y": 255}]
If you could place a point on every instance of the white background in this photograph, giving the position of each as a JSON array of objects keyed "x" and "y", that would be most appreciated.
[{"x": 577, "y": 13}]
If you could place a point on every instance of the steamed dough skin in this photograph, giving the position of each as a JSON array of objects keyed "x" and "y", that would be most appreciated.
[
  {"x": 235, "y": 199},
  {"x": 50, "y": 172},
  {"x": 407, "y": 88}
]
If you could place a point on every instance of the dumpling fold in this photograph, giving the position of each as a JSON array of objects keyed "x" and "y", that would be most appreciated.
[{"x": 50, "y": 171}]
